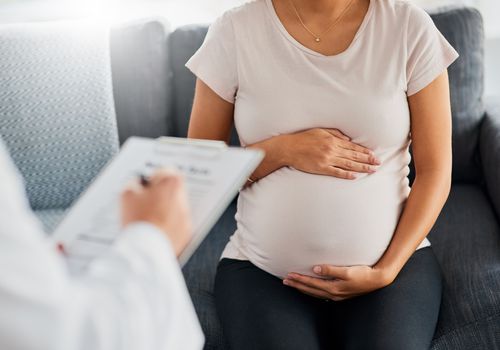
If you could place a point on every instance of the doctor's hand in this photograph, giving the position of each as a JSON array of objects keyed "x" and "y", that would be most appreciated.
[
  {"x": 161, "y": 202},
  {"x": 339, "y": 283},
  {"x": 328, "y": 152}
]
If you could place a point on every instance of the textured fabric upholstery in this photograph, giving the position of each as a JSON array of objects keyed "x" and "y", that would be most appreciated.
[
  {"x": 56, "y": 107},
  {"x": 142, "y": 78},
  {"x": 466, "y": 240},
  {"x": 50, "y": 218},
  {"x": 490, "y": 152},
  {"x": 463, "y": 28},
  {"x": 183, "y": 43}
]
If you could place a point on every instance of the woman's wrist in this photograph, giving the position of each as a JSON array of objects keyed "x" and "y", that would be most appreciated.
[
  {"x": 387, "y": 272},
  {"x": 277, "y": 150},
  {"x": 277, "y": 155}
]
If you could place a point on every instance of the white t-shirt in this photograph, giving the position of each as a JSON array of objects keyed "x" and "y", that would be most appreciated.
[{"x": 291, "y": 220}]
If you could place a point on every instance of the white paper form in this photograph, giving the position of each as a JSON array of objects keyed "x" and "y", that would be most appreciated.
[{"x": 213, "y": 175}]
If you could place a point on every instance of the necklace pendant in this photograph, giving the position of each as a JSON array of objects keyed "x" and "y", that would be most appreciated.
[{"x": 317, "y": 40}]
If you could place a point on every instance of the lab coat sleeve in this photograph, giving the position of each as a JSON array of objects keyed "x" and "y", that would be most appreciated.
[
  {"x": 140, "y": 280},
  {"x": 133, "y": 298}
]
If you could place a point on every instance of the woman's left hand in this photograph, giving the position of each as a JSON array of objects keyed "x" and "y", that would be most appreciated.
[{"x": 342, "y": 283}]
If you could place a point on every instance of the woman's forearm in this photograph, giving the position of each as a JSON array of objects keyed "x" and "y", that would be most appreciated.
[
  {"x": 275, "y": 149},
  {"x": 428, "y": 195},
  {"x": 316, "y": 151}
]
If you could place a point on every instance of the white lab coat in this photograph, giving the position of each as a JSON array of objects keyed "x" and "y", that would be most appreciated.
[{"x": 134, "y": 298}]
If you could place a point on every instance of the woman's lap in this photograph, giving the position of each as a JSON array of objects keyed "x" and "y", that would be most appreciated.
[
  {"x": 402, "y": 315},
  {"x": 258, "y": 312}
]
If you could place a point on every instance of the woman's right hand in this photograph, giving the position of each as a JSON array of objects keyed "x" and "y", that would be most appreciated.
[{"x": 328, "y": 152}]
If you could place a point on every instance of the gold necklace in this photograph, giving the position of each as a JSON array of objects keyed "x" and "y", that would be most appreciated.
[{"x": 317, "y": 38}]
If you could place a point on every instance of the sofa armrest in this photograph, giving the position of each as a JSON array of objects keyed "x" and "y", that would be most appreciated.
[{"x": 489, "y": 148}]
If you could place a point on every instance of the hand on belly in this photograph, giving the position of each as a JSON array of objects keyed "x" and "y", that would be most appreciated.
[{"x": 327, "y": 152}]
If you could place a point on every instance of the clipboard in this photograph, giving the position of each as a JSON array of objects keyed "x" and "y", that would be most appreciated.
[{"x": 213, "y": 173}]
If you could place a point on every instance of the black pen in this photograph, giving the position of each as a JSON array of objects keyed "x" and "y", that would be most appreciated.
[{"x": 144, "y": 180}]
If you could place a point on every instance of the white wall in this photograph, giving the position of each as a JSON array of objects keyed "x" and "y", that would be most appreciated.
[{"x": 492, "y": 66}]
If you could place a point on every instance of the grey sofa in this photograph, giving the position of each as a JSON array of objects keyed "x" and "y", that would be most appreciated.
[{"x": 153, "y": 94}]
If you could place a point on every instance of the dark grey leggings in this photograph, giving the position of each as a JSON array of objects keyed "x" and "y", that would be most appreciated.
[{"x": 258, "y": 312}]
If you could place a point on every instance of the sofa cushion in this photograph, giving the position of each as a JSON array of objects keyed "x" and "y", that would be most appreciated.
[
  {"x": 184, "y": 42},
  {"x": 50, "y": 218},
  {"x": 56, "y": 107},
  {"x": 466, "y": 239},
  {"x": 141, "y": 78},
  {"x": 463, "y": 28},
  {"x": 489, "y": 146}
]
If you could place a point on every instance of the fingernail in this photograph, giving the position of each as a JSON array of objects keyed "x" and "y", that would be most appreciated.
[
  {"x": 285, "y": 282},
  {"x": 317, "y": 269}
]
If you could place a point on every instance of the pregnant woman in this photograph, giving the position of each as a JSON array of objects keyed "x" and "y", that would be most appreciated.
[{"x": 330, "y": 249}]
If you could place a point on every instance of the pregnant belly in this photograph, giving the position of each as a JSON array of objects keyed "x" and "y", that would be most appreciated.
[{"x": 291, "y": 220}]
